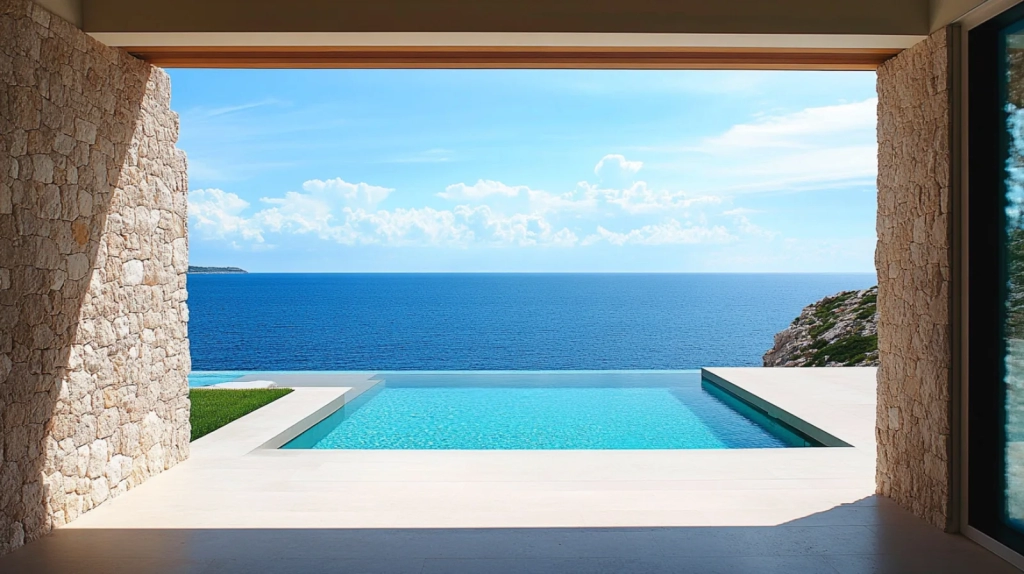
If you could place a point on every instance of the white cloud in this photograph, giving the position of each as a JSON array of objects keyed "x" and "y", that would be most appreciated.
[
  {"x": 314, "y": 212},
  {"x": 356, "y": 194},
  {"x": 616, "y": 164},
  {"x": 424, "y": 226},
  {"x": 296, "y": 213},
  {"x": 618, "y": 190},
  {"x": 813, "y": 149},
  {"x": 638, "y": 198},
  {"x": 577, "y": 200},
  {"x": 740, "y": 211},
  {"x": 481, "y": 189},
  {"x": 299, "y": 213},
  {"x": 217, "y": 213},
  {"x": 820, "y": 165},
  {"x": 522, "y": 229},
  {"x": 460, "y": 227},
  {"x": 669, "y": 233},
  {"x": 796, "y": 129},
  {"x": 634, "y": 199},
  {"x": 322, "y": 213},
  {"x": 746, "y": 226},
  {"x": 347, "y": 213}
]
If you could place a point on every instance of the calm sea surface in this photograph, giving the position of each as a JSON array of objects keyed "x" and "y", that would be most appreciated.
[{"x": 297, "y": 322}]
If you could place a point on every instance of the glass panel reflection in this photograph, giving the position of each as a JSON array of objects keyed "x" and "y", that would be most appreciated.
[{"x": 1014, "y": 310}]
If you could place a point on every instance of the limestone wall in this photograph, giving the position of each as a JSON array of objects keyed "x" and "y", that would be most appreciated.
[
  {"x": 913, "y": 263},
  {"x": 93, "y": 347}
]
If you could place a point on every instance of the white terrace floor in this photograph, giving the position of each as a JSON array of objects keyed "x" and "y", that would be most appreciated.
[{"x": 239, "y": 505}]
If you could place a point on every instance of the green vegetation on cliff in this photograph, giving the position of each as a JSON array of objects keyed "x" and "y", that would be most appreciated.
[{"x": 841, "y": 330}]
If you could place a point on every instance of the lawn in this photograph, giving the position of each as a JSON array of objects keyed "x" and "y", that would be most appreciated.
[{"x": 214, "y": 408}]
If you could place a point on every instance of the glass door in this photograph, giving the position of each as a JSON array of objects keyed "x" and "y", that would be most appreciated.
[{"x": 996, "y": 279}]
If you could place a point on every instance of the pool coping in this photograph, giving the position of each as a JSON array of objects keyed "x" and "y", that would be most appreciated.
[
  {"x": 773, "y": 411},
  {"x": 836, "y": 402},
  {"x": 311, "y": 420}
]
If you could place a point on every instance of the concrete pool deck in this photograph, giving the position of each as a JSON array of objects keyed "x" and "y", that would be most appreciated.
[{"x": 239, "y": 504}]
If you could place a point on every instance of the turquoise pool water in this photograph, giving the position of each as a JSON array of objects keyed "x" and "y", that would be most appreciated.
[
  {"x": 207, "y": 378},
  {"x": 545, "y": 411}
]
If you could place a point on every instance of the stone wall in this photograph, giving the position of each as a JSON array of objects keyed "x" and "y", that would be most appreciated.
[
  {"x": 93, "y": 347},
  {"x": 913, "y": 264}
]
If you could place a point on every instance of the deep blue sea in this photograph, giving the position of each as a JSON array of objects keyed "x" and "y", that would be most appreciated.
[{"x": 367, "y": 322}]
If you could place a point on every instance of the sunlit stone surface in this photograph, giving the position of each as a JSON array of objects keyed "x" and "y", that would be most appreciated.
[
  {"x": 912, "y": 259},
  {"x": 93, "y": 346}
]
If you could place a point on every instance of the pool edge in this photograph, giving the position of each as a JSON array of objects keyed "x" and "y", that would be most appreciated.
[
  {"x": 311, "y": 420},
  {"x": 771, "y": 410}
]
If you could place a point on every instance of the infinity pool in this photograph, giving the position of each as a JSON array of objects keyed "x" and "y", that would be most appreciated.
[{"x": 546, "y": 411}]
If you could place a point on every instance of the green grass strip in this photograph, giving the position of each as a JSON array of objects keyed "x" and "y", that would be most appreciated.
[{"x": 214, "y": 408}]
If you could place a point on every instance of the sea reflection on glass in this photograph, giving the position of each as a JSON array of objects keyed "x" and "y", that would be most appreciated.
[{"x": 1014, "y": 316}]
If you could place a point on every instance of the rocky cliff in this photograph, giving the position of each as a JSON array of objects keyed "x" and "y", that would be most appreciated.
[{"x": 838, "y": 331}]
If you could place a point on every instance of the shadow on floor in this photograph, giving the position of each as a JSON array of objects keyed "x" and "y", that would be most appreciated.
[{"x": 870, "y": 535}]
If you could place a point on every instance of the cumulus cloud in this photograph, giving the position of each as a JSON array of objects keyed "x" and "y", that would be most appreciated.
[
  {"x": 310, "y": 212},
  {"x": 522, "y": 229},
  {"x": 331, "y": 210},
  {"x": 361, "y": 194},
  {"x": 740, "y": 211},
  {"x": 638, "y": 198},
  {"x": 616, "y": 165},
  {"x": 671, "y": 232},
  {"x": 217, "y": 213},
  {"x": 297, "y": 213},
  {"x": 578, "y": 200},
  {"x": 347, "y": 213},
  {"x": 482, "y": 189},
  {"x": 635, "y": 198},
  {"x": 423, "y": 226},
  {"x": 460, "y": 227}
]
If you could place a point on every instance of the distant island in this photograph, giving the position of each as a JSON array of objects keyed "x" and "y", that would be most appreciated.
[{"x": 198, "y": 269}]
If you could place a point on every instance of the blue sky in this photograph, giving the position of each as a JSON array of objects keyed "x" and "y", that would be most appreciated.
[{"x": 529, "y": 170}]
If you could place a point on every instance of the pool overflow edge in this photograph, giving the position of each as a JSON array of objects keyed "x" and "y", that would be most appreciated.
[{"x": 793, "y": 423}]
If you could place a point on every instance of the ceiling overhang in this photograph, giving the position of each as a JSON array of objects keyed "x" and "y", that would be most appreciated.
[
  {"x": 510, "y": 50},
  {"x": 663, "y": 34}
]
